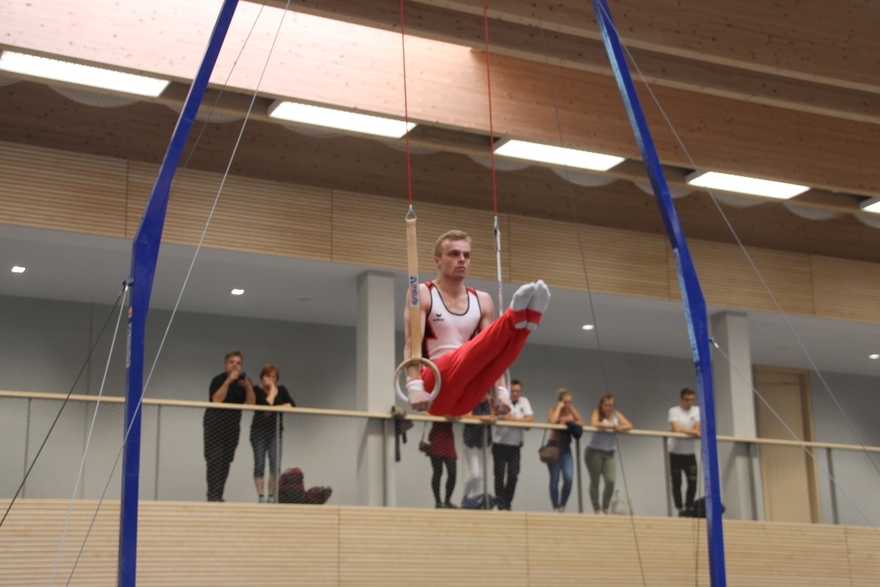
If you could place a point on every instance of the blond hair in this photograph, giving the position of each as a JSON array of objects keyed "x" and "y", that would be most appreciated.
[
  {"x": 561, "y": 393},
  {"x": 451, "y": 235}
]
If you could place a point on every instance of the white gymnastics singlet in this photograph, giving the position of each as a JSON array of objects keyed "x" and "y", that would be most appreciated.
[{"x": 445, "y": 331}]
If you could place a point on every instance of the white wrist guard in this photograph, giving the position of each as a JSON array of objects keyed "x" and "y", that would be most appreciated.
[{"x": 415, "y": 385}]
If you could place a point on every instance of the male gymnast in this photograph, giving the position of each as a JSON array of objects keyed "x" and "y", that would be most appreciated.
[{"x": 471, "y": 351}]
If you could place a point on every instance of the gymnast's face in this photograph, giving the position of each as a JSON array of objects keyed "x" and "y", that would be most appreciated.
[{"x": 454, "y": 259}]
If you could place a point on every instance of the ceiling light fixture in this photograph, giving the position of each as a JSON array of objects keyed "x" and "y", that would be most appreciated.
[
  {"x": 339, "y": 119},
  {"x": 237, "y": 292},
  {"x": 870, "y": 205},
  {"x": 556, "y": 155},
  {"x": 587, "y": 327},
  {"x": 745, "y": 185},
  {"x": 875, "y": 356},
  {"x": 18, "y": 269},
  {"x": 83, "y": 75}
]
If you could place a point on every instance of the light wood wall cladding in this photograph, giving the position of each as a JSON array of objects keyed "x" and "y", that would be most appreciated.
[
  {"x": 846, "y": 290},
  {"x": 787, "y": 554},
  {"x": 371, "y": 230},
  {"x": 447, "y": 87},
  {"x": 863, "y": 550},
  {"x": 46, "y": 188},
  {"x": 727, "y": 277},
  {"x": 615, "y": 260},
  {"x": 61, "y": 190},
  {"x": 257, "y": 216},
  {"x": 382, "y": 547},
  {"x": 186, "y": 543}
]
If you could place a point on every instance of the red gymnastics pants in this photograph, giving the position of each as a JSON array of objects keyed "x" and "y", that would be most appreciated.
[{"x": 471, "y": 370}]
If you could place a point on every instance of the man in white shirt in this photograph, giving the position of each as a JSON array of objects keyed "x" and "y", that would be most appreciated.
[
  {"x": 507, "y": 443},
  {"x": 682, "y": 455}
]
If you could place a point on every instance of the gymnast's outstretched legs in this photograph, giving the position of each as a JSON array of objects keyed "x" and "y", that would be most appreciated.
[{"x": 469, "y": 371}]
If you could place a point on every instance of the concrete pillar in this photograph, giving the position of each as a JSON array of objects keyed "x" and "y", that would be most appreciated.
[
  {"x": 735, "y": 416},
  {"x": 375, "y": 366}
]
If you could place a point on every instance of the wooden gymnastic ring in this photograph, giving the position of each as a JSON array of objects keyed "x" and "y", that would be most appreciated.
[{"x": 426, "y": 362}]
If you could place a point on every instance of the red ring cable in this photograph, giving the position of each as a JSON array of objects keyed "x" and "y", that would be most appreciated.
[
  {"x": 406, "y": 108},
  {"x": 489, "y": 85}
]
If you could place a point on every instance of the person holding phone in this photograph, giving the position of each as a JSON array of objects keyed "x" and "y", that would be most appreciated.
[
  {"x": 562, "y": 467},
  {"x": 223, "y": 427},
  {"x": 266, "y": 429}
]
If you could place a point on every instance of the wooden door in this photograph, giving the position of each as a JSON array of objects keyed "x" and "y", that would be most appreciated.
[{"x": 791, "y": 490}]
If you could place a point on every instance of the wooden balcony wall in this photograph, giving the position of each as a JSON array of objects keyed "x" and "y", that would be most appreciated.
[
  {"x": 67, "y": 191},
  {"x": 241, "y": 544}
]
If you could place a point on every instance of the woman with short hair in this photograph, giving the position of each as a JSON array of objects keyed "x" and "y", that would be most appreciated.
[{"x": 266, "y": 428}]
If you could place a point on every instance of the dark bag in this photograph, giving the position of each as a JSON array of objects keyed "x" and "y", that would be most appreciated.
[
  {"x": 698, "y": 510},
  {"x": 318, "y": 495},
  {"x": 425, "y": 445},
  {"x": 478, "y": 502},
  {"x": 292, "y": 489},
  {"x": 548, "y": 453}
]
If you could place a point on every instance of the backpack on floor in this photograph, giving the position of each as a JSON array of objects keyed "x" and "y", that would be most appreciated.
[
  {"x": 477, "y": 502},
  {"x": 698, "y": 510},
  {"x": 292, "y": 489}
]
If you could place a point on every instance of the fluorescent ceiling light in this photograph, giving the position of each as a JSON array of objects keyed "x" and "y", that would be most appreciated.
[
  {"x": 745, "y": 185},
  {"x": 340, "y": 119},
  {"x": 237, "y": 292},
  {"x": 83, "y": 75},
  {"x": 871, "y": 205},
  {"x": 557, "y": 155},
  {"x": 587, "y": 327},
  {"x": 875, "y": 356},
  {"x": 18, "y": 269}
]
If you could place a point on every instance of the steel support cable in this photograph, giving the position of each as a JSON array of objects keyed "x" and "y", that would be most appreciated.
[
  {"x": 587, "y": 279},
  {"x": 788, "y": 429},
  {"x": 496, "y": 228},
  {"x": 189, "y": 272},
  {"x": 749, "y": 258},
  {"x": 89, "y": 436},
  {"x": 61, "y": 409}
]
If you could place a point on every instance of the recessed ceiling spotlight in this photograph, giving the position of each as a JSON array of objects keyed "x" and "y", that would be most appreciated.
[
  {"x": 587, "y": 327},
  {"x": 237, "y": 292},
  {"x": 18, "y": 269},
  {"x": 83, "y": 75},
  {"x": 875, "y": 356}
]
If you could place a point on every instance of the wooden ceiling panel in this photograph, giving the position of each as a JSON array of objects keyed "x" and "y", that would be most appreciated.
[
  {"x": 33, "y": 114},
  {"x": 332, "y": 62}
]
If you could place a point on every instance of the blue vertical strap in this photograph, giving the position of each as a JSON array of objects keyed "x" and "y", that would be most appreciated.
[
  {"x": 145, "y": 252},
  {"x": 692, "y": 294}
]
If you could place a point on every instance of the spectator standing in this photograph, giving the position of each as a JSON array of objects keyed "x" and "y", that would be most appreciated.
[
  {"x": 222, "y": 426},
  {"x": 266, "y": 429},
  {"x": 443, "y": 454},
  {"x": 507, "y": 444},
  {"x": 601, "y": 450},
  {"x": 475, "y": 438},
  {"x": 563, "y": 467},
  {"x": 684, "y": 418}
]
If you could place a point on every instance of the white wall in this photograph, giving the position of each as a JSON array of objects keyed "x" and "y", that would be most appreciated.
[{"x": 43, "y": 344}]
